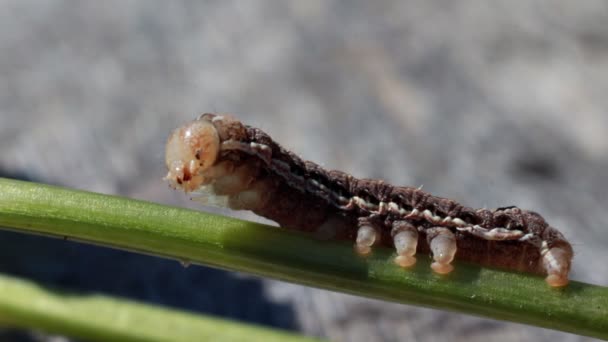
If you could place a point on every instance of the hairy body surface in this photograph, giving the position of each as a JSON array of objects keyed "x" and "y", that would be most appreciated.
[{"x": 241, "y": 167}]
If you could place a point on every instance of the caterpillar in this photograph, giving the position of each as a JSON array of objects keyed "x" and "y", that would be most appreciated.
[{"x": 243, "y": 168}]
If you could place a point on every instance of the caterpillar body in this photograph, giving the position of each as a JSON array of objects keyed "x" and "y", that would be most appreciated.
[{"x": 245, "y": 169}]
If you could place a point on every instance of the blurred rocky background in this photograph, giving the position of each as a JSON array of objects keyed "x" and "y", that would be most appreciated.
[{"x": 490, "y": 103}]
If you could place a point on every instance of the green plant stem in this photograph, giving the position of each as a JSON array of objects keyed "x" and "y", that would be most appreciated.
[
  {"x": 95, "y": 317},
  {"x": 196, "y": 237}
]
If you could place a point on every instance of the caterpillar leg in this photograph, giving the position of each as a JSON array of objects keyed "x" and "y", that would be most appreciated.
[
  {"x": 256, "y": 196},
  {"x": 367, "y": 235},
  {"x": 556, "y": 262},
  {"x": 405, "y": 239},
  {"x": 235, "y": 180},
  {"x": 205, "y": 196},
  {"x": 494, "y": 234},
  {"x": 443, "y": 246}
]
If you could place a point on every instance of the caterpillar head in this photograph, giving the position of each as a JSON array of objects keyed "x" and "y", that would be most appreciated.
[{"x": 190, "y": 151}]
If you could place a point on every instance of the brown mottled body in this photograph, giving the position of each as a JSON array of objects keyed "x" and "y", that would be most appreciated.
[{"x": 255, "y": 173}]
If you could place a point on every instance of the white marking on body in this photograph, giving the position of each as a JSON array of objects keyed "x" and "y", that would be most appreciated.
[
  {"x": 458, "y": 222},
  {"x": 413, "y": 214},
  {"x": 284, "y": 170},
  {"x": 364, "y": 204},
  {"x": 393, "y": 207},
  {"x": 494, "y": 234},
  {"x": 544, "y": 247},
  {"x": 526, "y": 237},
  {"x": 261, "y": 147},
  {"x": 382, "y": 208}
]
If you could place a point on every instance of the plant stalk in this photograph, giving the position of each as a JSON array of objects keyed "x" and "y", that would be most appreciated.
[{"x": 228, "y": 243}]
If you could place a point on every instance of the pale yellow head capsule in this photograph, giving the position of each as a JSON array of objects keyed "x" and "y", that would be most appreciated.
[{"x": 191, "y": 150}]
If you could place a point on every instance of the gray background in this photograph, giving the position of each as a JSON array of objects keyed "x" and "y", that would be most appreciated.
[{"x": 491, "y": 104}]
